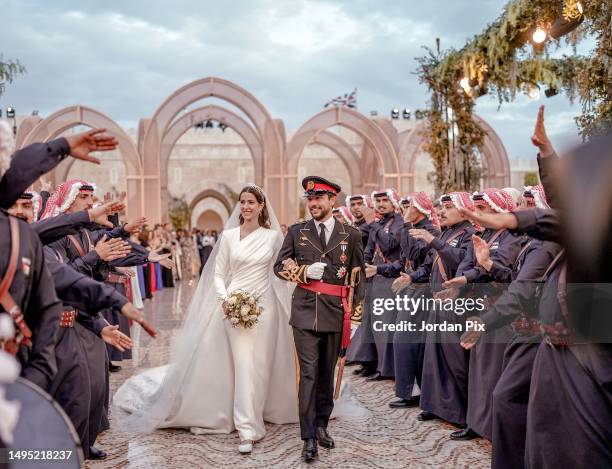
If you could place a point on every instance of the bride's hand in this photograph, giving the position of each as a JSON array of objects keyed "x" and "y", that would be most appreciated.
[{"x": 289, "y": 264}]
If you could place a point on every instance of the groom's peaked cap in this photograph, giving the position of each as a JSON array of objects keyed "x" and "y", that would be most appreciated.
[{"x": 316, "y": 185}]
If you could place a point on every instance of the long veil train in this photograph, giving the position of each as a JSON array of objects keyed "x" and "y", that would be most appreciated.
[{"x": 154, "y": 396}]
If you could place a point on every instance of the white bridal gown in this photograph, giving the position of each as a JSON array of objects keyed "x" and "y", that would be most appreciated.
[{"x": 237, "y": 378}]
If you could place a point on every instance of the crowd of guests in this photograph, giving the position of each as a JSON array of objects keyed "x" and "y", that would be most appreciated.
[{"x": 74, "y": 277}]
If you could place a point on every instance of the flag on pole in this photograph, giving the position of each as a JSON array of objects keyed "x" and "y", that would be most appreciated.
[{"x": 348, "y": 100}]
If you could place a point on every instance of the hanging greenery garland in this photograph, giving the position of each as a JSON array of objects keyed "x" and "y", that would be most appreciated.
[{"x": 510, "y": 57}]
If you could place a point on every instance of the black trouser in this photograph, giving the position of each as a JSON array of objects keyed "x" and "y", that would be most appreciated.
[{"x": 317, "y": 353}]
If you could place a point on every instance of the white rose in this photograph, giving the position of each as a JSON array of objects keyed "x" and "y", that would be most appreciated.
[
  {"x": 252, "y": 301},
  {"x": 234, "y": 320},
  {"x": 232, "y": 300},
  {"x": 245, "y": 310},
  {"x": 253, "y": 317}
]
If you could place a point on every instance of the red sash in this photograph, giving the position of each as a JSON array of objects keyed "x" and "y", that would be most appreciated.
[{"x": 340, "y": 291}]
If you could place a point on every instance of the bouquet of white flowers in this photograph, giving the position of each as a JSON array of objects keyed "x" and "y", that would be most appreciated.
[{"x": 241, "y": 308}]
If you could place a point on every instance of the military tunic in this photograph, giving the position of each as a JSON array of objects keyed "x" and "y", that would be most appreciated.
[{"x": 317, "y": 318}]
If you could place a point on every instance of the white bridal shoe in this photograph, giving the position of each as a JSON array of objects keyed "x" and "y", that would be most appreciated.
[{"x": 246, "y": 446}]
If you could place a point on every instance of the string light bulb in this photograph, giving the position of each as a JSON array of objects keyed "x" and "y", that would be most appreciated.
[
  {"x": 533, "y": 93},
  {"x": 539, "y": 35}
]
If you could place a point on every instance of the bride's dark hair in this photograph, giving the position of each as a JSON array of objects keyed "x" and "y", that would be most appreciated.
[{"x": 264, "y": 216}]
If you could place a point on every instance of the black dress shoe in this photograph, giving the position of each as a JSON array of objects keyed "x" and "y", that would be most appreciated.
[
  {"x": 466, "y": 434},
  {"x": 425, "y": 416},
  {"x": 97, "y": 454},
  {"x": 324, "y": 439},
  {"x": 310, "y": 451},
  {"x": 376, "y": 376},
  {"x": 404, "y": 403},
  {"x": 359, "y": 370},
  {"x": 114, "y": 368}
]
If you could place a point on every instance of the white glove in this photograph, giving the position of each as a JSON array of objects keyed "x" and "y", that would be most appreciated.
[{"x": 315, "y": 271}]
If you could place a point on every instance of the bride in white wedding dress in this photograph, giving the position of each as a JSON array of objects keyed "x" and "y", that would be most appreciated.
[{"x": 223, "y": 378}]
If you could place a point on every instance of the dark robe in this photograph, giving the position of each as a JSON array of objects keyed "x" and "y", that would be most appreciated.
[
  {"x": 383, "y": 249},
  {"x": 409, "y": 347},
  {"x": 445, "y": 362},
  {"x": 486, "y": 358}
]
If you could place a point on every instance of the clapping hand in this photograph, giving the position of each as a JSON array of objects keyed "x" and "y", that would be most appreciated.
[
  {"x": 370, "y": 270},
  {"x": 401, "y": 282},
  {"x": 470, "y": 338},
  {"x": 100, "y": 213},
  {"x": 162, "y": 259},
  {"x": 113, "y": 336},
  {"x": 135, "y": 226},
  {"x": 455, "y": 282},
  {"x": 131, "y": 312},
  {"x": 82, "y": 144},
  {"x": 539, "y": 137},
  {"x": 112, "y": 249},
  {"x": 482, "y": 252},
  {"x": 418, "y": 233}
]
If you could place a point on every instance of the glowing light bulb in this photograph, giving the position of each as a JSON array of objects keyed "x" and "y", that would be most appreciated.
[
  {"x": 534, "y": 93},
  {"x": 539, "y": 36}
]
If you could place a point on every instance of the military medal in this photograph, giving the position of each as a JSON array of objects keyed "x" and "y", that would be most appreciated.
[
  {"x": 343, "y": 256},
  {"x": 341, "y": 272}
]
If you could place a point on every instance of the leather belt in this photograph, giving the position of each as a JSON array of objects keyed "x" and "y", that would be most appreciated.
[
  {"x": 558, "y": 334},
  {"x": 67, "y": 318},
  {"x": 527, "y": 326},
  {"x": 116, "y": 278}
]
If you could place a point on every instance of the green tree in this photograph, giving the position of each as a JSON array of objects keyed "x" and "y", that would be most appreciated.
[{"x": 9, "y": 69}]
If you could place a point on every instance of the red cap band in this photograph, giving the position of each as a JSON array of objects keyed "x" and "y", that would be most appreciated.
[{"x": 319, "y": 187}]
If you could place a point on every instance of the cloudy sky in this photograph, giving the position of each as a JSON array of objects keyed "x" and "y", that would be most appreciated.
[{"x": 124, "y": 58}]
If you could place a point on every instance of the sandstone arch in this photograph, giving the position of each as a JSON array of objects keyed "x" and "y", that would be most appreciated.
[
  {"x": 496, "y": 165},
  {"x": 150, "y": 142},
  {"x": 371, "y": 133},
  {"x": 64, "y": 119}
]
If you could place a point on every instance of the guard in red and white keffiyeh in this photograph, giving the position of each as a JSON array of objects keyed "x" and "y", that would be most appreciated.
[
  {"x": 423, "y": 203},
  {"x": 459, "y": 200},
  {"x": 364, "y": 199},
  {"x": 343, "y": 215},
  {"x": 65, "y": 195},
  {"x": 534, "y": 196},
  {"x": 27, "y": 206},
  {"x": 497, "y": 199},
  {"x": 391, "y": 194}
]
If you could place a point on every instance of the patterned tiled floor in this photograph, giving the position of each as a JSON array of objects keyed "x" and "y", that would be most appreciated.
[{"x": 383, "y": 439}]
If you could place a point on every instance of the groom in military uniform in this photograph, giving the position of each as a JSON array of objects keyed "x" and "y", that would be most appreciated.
[{"x": 325, "y": 258}]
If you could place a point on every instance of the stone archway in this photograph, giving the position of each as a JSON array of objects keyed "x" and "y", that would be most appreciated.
[
  {"x": 496, "y": 164},
  {"x": 221, "y": 205},
  {"x": 204, "y": 113},
  {"x": 150, "y": 141},
  {"x": 347, "y": 155},
  {"x": 67, "y": 118},
  {"x": 369, "y": 131}
]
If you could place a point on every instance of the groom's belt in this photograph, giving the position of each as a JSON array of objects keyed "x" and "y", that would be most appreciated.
[{"x": 318, "y": 286}]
